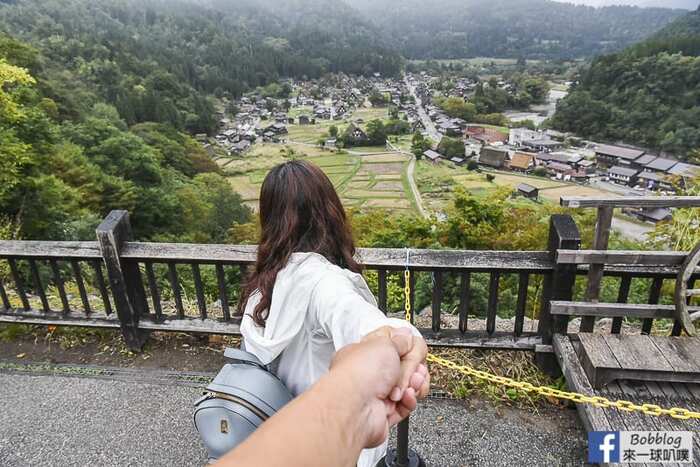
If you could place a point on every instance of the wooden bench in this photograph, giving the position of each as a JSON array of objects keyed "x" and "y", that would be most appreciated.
[{"x": 610, "y": 357}]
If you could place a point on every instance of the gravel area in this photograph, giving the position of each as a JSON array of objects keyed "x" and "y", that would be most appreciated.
[{"x": 76, "y": 421}]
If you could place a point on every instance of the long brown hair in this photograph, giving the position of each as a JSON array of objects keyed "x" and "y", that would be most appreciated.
[{"x": 299, "y": 212}]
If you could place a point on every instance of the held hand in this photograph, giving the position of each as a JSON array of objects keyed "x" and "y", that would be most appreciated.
[{"x": 414, "y": 382}]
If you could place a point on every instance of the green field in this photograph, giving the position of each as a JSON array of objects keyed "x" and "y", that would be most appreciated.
[{"x": 375, "y": 180}]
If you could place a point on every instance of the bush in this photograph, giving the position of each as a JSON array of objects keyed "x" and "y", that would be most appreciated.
[{"x": 490, "y": 177}]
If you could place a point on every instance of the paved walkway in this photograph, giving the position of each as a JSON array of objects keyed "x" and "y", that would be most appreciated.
[{"x": 77, "y": 421}]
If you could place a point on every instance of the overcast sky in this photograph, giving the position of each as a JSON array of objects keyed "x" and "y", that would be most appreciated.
[{"x": 687, "y": 4}]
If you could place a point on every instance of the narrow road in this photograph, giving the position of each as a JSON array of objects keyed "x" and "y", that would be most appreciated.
[
  {"x": 414, "y": 188},
  {"x": 410, "y": 170},
  {"x": 424, "y": 118}
]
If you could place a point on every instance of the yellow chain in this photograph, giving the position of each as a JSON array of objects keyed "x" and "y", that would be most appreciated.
[{"x": 598, "y": 401}]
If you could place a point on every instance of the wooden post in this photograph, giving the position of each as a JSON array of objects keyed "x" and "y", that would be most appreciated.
[
  {"x": 564, "y": 235},
  {"x": 595, "y": 273},
  {"x": 128, "y": 297}
]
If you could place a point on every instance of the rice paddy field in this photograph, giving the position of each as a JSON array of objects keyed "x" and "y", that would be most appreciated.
[
  {"x": 436, "y": 183},
  {"x": 374, "y": 180}
]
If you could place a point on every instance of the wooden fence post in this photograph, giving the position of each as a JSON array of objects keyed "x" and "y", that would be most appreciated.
[
  {"x": 124, "y": 279},
  {"x": 563, "y": 235}
]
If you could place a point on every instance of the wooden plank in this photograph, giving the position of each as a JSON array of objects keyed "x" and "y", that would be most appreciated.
[
  {"x": 593, "y": 418},
  {"x": 382, "y": 290},
  {"x": 621, "y": 257},
  {"x": 612, "y": 310},
  {"x": 77, "y": 274},
  {"x": 595, "y": 272},
  {"x": 199, "y": 291},
  {"x": 372, "y": 258},
  {"x": 666, "y": 346},
  {"x": 19, "y": 284},
  {"x": 654, "y": 296},
  {"x": 3, "y": 297},
  {"x": 523, "y": 283},
  {"x": 175, "y": 287},
  {"x": 38, "y": 286},
  {"x": 436, "y": 302},
  {"x": 99, "y": 320},
  {"x": 687, "y": 349},
  {"x": 155, "y": 293},
  {"x": 45, "y": 250},
  {"x": 622, "y": 296},
  {"x": 480, "y": 340},
  {"x": 101, "y": 286},
  {"x": 597, "y": 360},
  {"x": 637, "y": 353},
  {"x": 630, "y": 201},
  {"x": 112, "y": 233},
  {"x": 223, "y": 295},
  {"x": 58, "y": 282},
  {"x": 492, "y": 308},
  {"x": 464, "y": 298}
]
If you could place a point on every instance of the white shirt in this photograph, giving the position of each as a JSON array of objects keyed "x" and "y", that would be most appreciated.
[{"x": 317, "y": 308}]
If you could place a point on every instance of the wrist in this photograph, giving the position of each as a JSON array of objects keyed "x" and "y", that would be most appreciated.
[{"x": 344, "y": 409}]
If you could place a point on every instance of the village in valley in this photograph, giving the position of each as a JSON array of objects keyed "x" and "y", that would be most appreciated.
[{"x": 389, "y": 143}]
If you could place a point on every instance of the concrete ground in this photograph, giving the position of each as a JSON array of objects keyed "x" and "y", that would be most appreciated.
[{"x": 139, "y": 417}]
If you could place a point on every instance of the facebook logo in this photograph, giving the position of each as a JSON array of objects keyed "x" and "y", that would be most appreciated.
[{"x": 603, "y": 447}]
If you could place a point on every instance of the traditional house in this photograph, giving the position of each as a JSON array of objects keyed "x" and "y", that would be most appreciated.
[
  {"x": 457, "y": 160},
  {"x": 485, "y": 135},
  {"x": 304, "y": 120},
  {"x": 660, "y": 165},
  {"x": 542, "y": 145},
  {"x": 609, "y": 156},
  {"x": 493, "y": 157},
  {"x": 654, "y": 215},
  {"x": 528, "y": 191},
  {"x": 623, "y": 175},
  {"x": 522, "y": 162},
  {"x": 240, "y": 147},
  {"x": 431, "y": 155},
  {"x": 354, "y": 135},
  {"x": 560, "y": 170},
  {"x": 330, "y": 143}
]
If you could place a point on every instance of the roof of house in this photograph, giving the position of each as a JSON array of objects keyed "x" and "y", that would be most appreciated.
[
  {"x": 618, "y": 151},
  {"x": 661, "y": 164},
  {"x": 623, "y": 171},
  {"x": 645, "y": 159},
  {"x": 685, "y": 170},
  {"x": 650, "y": 176},
  {"x": 542, "y": 142},
  {"x": 521, "y": 160},
  {"x": 559, "y": 166},
  {"x": 656, "y": 214},
  {"x": 493, "y": 157},
  {"x": 432, "y": 155},
  {"x": 457, "y": 160},
  {"x": 525, "y": 188}
]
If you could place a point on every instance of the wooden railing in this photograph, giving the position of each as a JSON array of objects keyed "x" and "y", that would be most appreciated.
[{"x": 138, "y": 287}]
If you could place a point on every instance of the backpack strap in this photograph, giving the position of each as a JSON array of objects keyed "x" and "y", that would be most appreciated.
[{"x": 272, "y": 367}]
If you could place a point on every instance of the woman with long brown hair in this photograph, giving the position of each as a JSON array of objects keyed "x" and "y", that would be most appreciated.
[{"x": 306, "y": 297}]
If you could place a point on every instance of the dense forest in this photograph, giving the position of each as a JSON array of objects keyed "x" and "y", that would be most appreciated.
[
  {"x": 649, "y": 93},
  {"x": 510, "y": 28},
  {"x": 67, "y": 158},
  {"x": 159, "y": 60}
]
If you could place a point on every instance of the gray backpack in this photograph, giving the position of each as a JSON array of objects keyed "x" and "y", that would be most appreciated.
[{"x": 242, "y": 396}]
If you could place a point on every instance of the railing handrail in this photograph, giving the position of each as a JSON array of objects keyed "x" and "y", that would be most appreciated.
[
  {"x": 386, "y": 258},
  {"x": 630, "y": 201}
]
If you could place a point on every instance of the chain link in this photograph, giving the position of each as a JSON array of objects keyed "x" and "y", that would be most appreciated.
[{"x": 597, "y": 401}]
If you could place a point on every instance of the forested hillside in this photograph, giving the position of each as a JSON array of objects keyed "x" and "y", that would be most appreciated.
[
  {"x": 649, "y": 94},
  {"x": 67, "y": 158},
  {"x": 510, "y": 28},
  {"x": 159, "y": 60}
]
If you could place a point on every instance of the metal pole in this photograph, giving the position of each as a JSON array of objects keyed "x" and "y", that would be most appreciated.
[{"x": 402, "y": 443}]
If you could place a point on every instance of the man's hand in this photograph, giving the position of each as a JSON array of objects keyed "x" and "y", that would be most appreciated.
[{"x": 389, "y": 370}]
